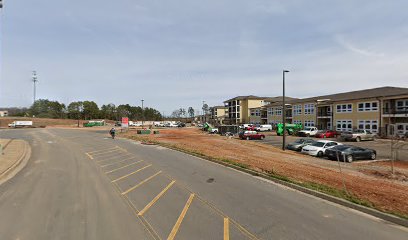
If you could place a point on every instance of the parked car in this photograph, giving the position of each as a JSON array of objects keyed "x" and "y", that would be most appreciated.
[
  {"x": 319, "y": 147},
  {"x": 118, "y": 123},
  {"x": 213, "y": 130},
  {"x": 159, "y": 124},
  {"x": 327, "y": 134},
  {"x": 243, "y": 126},
  {"x": 299, "y": 144},
  {"x": 180, "y": 125},
  {"x": 248, "y": 135},
  {"x": 358, "y": 135},
  {"x": 308, "y": 131},
  {"x": 350, "y": 153},
  {"x": 263, "y": 128}
]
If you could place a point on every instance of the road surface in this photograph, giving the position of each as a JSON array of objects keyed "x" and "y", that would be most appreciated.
[{"x": 82, "y": 185}]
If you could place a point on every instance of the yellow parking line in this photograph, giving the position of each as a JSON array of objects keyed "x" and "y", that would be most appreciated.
[
  {"x": 89, "y": 155},
  {"x": 102, "y": 150},
  {"x": 181, "y": 217},
  {"x": 150, "y": 204},
  {"x": 113, "y": 157},
  {"x": 123, "y": 160},
  {"x": 141, "y": 183},
  {"x": 127, "y": 175},
  {"x": 114, "y": 170},
  {"x": 226, "y": 228}
]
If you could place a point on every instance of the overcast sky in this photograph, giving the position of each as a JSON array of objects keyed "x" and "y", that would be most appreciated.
[{"x": 178, "y": 53}]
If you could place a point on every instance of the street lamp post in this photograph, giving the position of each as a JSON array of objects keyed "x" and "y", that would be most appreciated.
[
  {"x": 142, "y": 114},
  {"x": 284, "y": 112}
]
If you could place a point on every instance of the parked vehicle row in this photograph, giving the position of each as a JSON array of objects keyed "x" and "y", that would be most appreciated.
[
  {"x": 331, "y": 149},
  {"x": 259, "y": 128}
]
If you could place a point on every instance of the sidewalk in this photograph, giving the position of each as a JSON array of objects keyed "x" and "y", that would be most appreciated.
[{"x": 14, "y": 153}]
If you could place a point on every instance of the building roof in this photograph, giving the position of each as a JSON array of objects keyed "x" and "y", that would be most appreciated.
[
  {"x": 359, "y": 94},
  {"x": 219, "y": 107},
  {"x": 251, "y": 97}
]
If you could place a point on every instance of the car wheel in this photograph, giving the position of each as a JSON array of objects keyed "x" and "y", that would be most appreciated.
[
  {"x": 373, "y": 156},
  {"x": 308, "y": 135},
  {"x": 320, "y": 154},
  {"x": 248, "y": 138},
  {"x": 350, "y": 158},
  {"x": 262, "y": 137},
  {"x": 358, "y": 139}
]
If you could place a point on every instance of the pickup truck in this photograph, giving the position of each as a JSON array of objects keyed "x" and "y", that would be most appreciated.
[
  {"x": 358, "y": 135},
  {"x": 308, "y": 131},
  {"x": 17, "y": 124}
]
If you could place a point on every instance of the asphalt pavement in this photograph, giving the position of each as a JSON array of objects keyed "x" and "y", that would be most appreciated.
[{"x": 83, "y": 185}]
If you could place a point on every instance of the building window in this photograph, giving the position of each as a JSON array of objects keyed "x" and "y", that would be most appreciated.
[
  {"x": 344, "y": 125},
  {"x": 369, "y": 125},
  {"x": 278, "y": 111},
  {"x": 401, "y": 105},
  {"x": 309, "y": 109},
  {"x": 344, "y": 108},
  {"x": 297, "y": 110},
  {"x": 309, "y": 123},
  {"x": 237, "y": 108},
  {"x": 297, "y": 121},
  {"x": 270, "y": 111},
  {"x": 368, "y": 106}
]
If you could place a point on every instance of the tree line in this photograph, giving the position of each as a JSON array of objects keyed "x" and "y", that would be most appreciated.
[{"x": 87, "y": 110}]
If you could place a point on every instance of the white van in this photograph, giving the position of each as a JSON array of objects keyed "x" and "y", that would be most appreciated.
[{"x": 264, "y": 128}]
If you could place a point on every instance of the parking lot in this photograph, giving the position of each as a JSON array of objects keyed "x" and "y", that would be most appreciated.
[{"x": 382, "y": 146}]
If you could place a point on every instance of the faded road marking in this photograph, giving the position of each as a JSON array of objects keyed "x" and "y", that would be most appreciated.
[
  {"x": 127, "y": 175},
  {"x": 122, "y": 160},
  {"x": 141, "y": 183},
  {"x": 226, "y": 228},
  {"x": 150, "y": 204},
  {"x": 181, "y": 217},
  {"x": 114, "y": 170}
]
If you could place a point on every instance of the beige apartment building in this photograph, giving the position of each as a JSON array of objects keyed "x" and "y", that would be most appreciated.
[
  {"x": 218, "y": 114},
  {"x": 239, "y": 108},
  {"x": 380, "y": 110}
]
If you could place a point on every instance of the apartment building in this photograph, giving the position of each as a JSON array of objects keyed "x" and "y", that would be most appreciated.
[
  {"x": 381, "y": 110},
  {"x": 218, "y": 114},
  {"x": 3, "y": 113},
  {"x": 239, "y": 108},
  {"x": 271, "y": 113}
]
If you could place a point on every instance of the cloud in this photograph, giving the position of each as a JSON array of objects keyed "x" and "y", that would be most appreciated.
[{"x": 342, "y": 41}]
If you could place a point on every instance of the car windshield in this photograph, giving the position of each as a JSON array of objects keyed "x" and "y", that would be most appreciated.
[
  {"x": 308, "y": 128},
  {"x": 299, "y": 141},
  {"x": 342, "y": 147},
  {"x": 318, "y": 144}
]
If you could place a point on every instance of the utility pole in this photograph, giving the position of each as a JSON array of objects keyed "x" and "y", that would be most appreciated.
[
  {"x": 284, "y": 112},
  {"x": 34, "y": 79},
  {"x": 204, "y": 113},
  {"x": 142, "y": 113}
]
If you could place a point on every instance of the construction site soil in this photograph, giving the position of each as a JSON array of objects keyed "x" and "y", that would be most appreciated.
[{"x": 372, "y": 183}]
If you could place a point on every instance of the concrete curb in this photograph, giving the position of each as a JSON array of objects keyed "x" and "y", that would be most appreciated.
[
  {"x": 17, "y": 166},
  {"x": 376, "y": 213}
]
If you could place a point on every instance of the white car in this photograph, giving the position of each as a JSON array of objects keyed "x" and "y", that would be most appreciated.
[
  {"x": 264, "y": 128},
  {"x": 308, "y": 131},
  {"x": 319, "y": 147}
]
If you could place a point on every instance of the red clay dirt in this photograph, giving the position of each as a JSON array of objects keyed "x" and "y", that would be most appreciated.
[{"x": 384, "y": 193}]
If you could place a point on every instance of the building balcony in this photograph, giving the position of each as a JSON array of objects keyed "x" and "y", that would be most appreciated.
[
  {"x": 396, "y": 111},
  {"x": 323, "y": 114}
]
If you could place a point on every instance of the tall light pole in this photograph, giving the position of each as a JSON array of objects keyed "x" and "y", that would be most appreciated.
[
  {"x": 34, "y": 79},
  {"x": 204, "y": 112},
  {"x": 284, "y": 112},
  {"x": 142, "y": 113}
]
